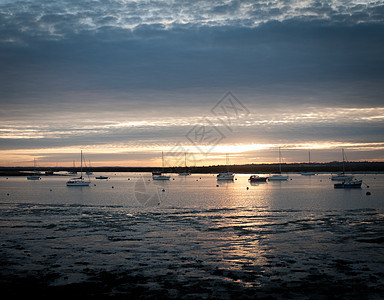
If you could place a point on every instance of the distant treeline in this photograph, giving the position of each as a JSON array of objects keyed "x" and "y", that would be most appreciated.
[{"x": 330, "y": 167}]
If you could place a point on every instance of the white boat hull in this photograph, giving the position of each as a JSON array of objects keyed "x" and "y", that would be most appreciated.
[
  {"x": 308, "y": 173},
  {"x": 341, "y": 177},
  {"x": 161, "y": 177},
  {"x": 225, "y": 176},
  {"x": 78, "y": 183},
  {"x": 278, "y": 178}
]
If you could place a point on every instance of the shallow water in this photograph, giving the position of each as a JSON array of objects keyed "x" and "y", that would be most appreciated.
[{"x": 190, "y": 238}]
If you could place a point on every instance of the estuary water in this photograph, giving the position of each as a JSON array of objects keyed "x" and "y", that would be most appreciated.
[{"x": 192, "y": 237}]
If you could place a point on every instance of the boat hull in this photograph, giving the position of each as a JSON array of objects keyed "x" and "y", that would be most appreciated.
[
  {"x": 348, "y": 185},
  {"x": 257, "y": 179},
  {"x": 341, "y": 178},
  {"x": 278, "y": 178},
  {"x": 161, "y": 177},
  {"x": 78, "y": 183}
]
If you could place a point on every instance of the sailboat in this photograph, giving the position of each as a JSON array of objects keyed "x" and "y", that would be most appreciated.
[
  {"x": 226, "y": 175},
  {"x": 278, "y": 177},
  {"x": 36, "y": 174},
  {"x": 341, "y": 176},
  {"x": 156, "y": 175},
  {"x": 80, "y": 180},
  {"x": 185, "y": 173},
  {"x": 309, "y": 163}
]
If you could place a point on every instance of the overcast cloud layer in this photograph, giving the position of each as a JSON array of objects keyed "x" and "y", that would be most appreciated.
[{"x": 74, "y": 72}]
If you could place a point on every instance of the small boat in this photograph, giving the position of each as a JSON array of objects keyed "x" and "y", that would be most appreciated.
[
  {"x": 309, "y": 173},
  {"x": 102, "y": 177},
  {"x": 157, "y": 175},
  {"x": 348, "y": 184},
  {"x": 256, "y": 178},
  {"x": 36, "y": 174},
  {"x": 185, "y": 173},
  {"x": 80, "y": 180},
  {"x": 278, "y": 177},
  {"x": 225, "y": 176},
  {"x": 33, "y": 177},
  {"x": 341, "y": 176},
  {"x": 161, "y": 177}
]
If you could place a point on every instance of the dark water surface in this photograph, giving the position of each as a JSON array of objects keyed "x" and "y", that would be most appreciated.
[{"x": 189, "y": 238}]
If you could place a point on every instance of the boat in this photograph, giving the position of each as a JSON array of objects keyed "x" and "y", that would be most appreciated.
[
  {"x": 89, "y": 172},
  {"x": 341, "y": 176},
  {"x": 102, "y": 177},
  {"x": 185, "y": 173},
  {"x": 79, "y": 181},
  {"x": 36, "y": 174},
  {"x": 226, "y": 175},
  {"x": 348, "y": 184},
  {"x": 309, "y": 173},
  {"x": 257, "y": 178},
  {"x": 278, "y": 177},
  {"x": 157, "y": 175}
]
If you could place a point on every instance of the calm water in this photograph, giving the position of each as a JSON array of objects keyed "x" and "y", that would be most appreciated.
[{"x": 190, "y": 238}]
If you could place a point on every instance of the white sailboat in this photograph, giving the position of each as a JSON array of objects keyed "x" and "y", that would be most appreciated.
[
  {"x": 226, "y": 175},
  {"x": 36, "y": 174},
  {"x": 309, "y": 163},
  {"x": 278, "y": 177},
  {"x": 80, "y": 180},
  {"x": 158, "y": 175},
  {"x": 185, "y": 173},
  {"x": 341, "y": 176}
]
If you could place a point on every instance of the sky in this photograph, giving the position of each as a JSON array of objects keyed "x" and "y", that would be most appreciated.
[{"x": 126, "y": 81}]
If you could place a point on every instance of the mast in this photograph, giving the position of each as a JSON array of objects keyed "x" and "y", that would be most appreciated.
[
  {"x": 279, "y": 161},
  {"x": 342, "y": 150},
  {"x": 81, "y": 164},
  {"x": 162, "y": 160}
]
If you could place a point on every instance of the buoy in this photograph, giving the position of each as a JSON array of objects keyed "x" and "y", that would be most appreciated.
[
  {"x": 163, "y": 190},
  {"x": 368, "y": 186},
  {"x": 113, "y": 187},
  {"x": 94, "y": 184},
  {"x": 128, "y": 179},
  {"x": 173, "y": 179},
  {"x": 217, "y": 185},
  {"x": 247, "y": 187},
  {"x": 50, "y": 190},
  {"x": 7, "y": 194},
  {"x": 368, "y": 193}
]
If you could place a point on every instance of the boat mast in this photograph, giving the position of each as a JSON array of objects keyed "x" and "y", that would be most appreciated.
[
  {"x": 342, "y": 150},
  {"x": 279, "y": 161},
  {"x": 81, "y": 164}
]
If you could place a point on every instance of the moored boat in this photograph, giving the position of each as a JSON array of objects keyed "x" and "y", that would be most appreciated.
[
  {"x": 157, "y": 175},
  {"x": 257, "y": 178},
  {"x": 79, "y": 181},
  {"x": 225, "y": 176},
  {"x": 278, "y": 177},
  {"x": 348, "y": 184}
]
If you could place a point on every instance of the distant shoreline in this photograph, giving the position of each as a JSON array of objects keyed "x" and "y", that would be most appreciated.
[{"x": 331, "y": 167}]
